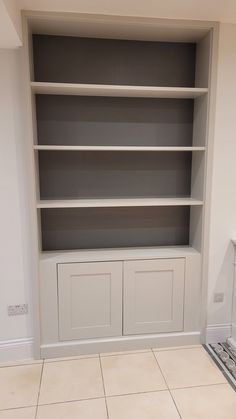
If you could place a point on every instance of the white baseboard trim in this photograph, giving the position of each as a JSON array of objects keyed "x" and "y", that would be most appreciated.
[
  {"x": 218, "y": 333},
  {"x": 232, "y": 342},
  {"x": 122, "y": 343},
  {"x": 232, "y": 339},
  {"x": 15, "y": 350}
]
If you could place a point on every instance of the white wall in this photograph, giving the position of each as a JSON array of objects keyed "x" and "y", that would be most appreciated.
[
  {"x": 15, "y": 238},
  {"x": 15, "y": 264},
  {"x": 223, "y": 210}
]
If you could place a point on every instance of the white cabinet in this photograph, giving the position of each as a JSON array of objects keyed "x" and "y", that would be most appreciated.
[
  {"x": 95, "y": 298},
  {"x": 128, "y": 302},
  {"x": 90, "y": 300},
  {"x": 153, "y": 296}
]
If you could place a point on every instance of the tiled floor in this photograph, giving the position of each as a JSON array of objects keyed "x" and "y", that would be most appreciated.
[{"x": 164, "y": 384}]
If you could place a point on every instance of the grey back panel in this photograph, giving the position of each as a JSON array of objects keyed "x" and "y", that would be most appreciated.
[
  {"x": 70, "y": 174},
  {"x": 112, "y": 61},
  {"x": 87, "y": 228},
  {"x": 74, "y": 120}
]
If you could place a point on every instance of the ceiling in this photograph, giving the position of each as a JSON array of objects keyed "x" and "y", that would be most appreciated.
[{"x": 9, "y": 25}]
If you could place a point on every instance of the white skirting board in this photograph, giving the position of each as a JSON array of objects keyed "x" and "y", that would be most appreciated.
[
  {"x": 232, "y": 339},
  {"x": 22, "y": 349},
  {"x": 15, "y": 350},
  {"x": 123, "y": 343},
  {"x": 218, "y": 333}
]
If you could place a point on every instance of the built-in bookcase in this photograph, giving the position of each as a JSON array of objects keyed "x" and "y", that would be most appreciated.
[
  {"x": 121, "y": 130},
  {"x": 119, "y": 146}
]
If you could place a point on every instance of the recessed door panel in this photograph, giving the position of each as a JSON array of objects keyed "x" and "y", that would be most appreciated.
[
  {"x": 90, "y": 300},
  {"x": 153, "y": 296}
]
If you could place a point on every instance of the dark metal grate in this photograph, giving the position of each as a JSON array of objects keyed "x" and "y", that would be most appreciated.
[{"x": 224, "y": 356}]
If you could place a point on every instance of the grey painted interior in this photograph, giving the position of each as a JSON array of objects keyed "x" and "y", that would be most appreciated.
[
  {"x": 75, "y": 120},
  {"x": 112, "y": 61},
  {"x": 73, "y": 228},
  {"x": 71, "y": 174}
]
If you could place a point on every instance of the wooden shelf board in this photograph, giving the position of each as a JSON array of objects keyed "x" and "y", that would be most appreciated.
[
  {"x": 116, "y": 90},
  {"x": 118, "y": 202},
  {"x": 113, "y": 148}
]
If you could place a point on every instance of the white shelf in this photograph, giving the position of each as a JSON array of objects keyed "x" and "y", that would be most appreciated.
[
  {"x": 116, "y": 90},
  {"x": 130, "y": 253},
  {"x": 113, "y": 148},
  {"x": 118, "y": 202}
]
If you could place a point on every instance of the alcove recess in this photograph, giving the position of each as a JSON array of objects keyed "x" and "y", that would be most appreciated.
[{"x": 121, "y": 140}]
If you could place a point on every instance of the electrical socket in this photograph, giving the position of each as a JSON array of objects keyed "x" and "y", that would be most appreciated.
[
  {"x": 17, "y": 309},
  {"x": 219, "y": 297}
]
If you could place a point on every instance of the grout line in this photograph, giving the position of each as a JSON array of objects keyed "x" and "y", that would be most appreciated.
[
  {"x": 71, "y": 401},
  {"x": 137, "y": 392},
  {"x": 104, "y": 390},
  {"x": 198, "y": 385},
  {"x": 70, "y": 358},
  {"x": 160, "y": 370},
  {"x": 17, "y": 408},
  {"x": 100, "y": 397},
  {"x": 176, "y": 348},
  {"x": 21, "y": 364},
  {"x": 177, "y": 409},
  {"x": 36, "y": 412},
  {"x": 147, "y": 351}
]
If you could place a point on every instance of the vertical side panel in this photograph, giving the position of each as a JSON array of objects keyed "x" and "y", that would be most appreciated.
[
  {"x": 200, "y": 121},
  {"x": 48, "y": 302},
  {"x": 33, "y": 222},
  {"x": 203, "y": 61},
  {"x": 192, "y": 298}
]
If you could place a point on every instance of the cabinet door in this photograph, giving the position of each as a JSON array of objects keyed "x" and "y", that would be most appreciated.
[
  {"x": 153, "y": 296},
  {"x": 90, "y": 300}
]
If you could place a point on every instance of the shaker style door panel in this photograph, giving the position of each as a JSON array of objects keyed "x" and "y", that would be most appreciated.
[
  {"x": 90, "y": 300},
  {"x": 153, "y": 296}
]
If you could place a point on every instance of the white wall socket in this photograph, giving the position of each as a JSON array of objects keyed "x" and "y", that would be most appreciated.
[
  {"x": 219, "y": 297},
  {"x": 17, "y": 309}
]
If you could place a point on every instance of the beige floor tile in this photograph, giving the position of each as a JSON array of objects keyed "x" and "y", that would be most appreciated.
[
  {"x": 131, "y": 373},
  {"x": 188, "y": 367},
  {"x": 209, "y": 402},
  {"x": 86, "y": 409},
  {"x": 70, "y": 358},
  {"x": 125, "y": 352},
  {"x": 71, "y": 380},
  {"x": 26, "y": 413},
  {"x": 19, "y": 386},
  {"x": 142, "y": 406}
]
